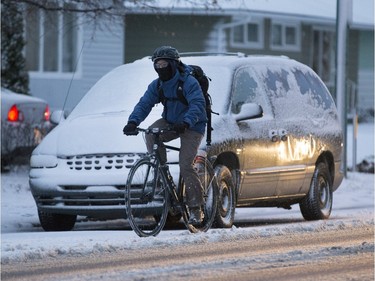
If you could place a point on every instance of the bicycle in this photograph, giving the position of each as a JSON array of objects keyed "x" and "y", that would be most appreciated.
[{"x": 152, "y": 197}]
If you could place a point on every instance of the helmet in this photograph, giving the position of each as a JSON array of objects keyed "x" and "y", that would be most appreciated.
[{"x": 165, "y": 52}]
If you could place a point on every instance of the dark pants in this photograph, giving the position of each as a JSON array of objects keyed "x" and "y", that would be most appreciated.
[{"x": 190, "y": 141}]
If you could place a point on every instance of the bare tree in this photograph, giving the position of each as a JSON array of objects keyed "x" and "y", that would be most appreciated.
[
  {"x": 93, "y": 9},
  {"x": 102, "y": 13}
]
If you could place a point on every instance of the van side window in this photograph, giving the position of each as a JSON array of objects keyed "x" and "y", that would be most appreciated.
[
  {"x": 246, "y": 90},
  {"x": 311, "y": 85},
  {"x": 277, "y": 81}
]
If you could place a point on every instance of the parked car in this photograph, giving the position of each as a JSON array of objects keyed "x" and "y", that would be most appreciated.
[
  {"x": 24, "y": 123},
  {"x": 276, "y": 142}
]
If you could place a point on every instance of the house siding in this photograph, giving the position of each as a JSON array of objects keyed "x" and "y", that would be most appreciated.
[
  {"x": 306, "y": 43},
  {"x": 366, "y": 70},
  {"x": 101, "y": 51},
  {"x": 352, "y": 55},
  {"x": 187, "y": 33}
]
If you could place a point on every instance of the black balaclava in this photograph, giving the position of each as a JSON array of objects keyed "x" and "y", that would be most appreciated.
[{"x": 167, "y": 73}]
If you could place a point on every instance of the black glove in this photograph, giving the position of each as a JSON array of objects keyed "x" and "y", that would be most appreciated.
[
  {"x": 180, "y": 128},
  {"x": 130, "y": 129}
]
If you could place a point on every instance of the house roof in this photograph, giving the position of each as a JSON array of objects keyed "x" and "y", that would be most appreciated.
[{"x": 315, "y": 11}]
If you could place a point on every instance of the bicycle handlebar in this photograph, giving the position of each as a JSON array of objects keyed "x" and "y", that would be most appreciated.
[{"x": 151, "y": 131}]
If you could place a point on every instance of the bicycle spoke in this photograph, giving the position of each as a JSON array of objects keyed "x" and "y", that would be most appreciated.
[
  {"x": 210, "y": 195},
  {"x": 147, "y": 205}
]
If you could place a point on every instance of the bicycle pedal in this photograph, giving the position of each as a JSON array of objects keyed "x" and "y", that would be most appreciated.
[
  {"x": 196, "y": 216},
  {"x": 174, "y": 212}
]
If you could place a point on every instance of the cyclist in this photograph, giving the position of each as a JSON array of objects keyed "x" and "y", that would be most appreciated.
[{"x": 188, "y": 121}]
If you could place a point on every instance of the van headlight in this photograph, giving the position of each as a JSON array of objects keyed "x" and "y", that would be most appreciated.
[{"x": 43, "y": 161}]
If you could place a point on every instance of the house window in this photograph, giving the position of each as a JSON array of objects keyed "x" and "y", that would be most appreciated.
[
  {"x": 247, "y": 35},
  {"x": 323, "y": 55},
  {"x": 252, "y": 32},
  {"x": 285, "y": 36},
  {"x": 52, "y": 41},
  {"x": 238, "y": 34}
]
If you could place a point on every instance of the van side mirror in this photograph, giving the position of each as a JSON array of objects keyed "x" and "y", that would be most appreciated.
[
  {"x": 57, "y": 116},
  {"x": 249, "y": 111}
]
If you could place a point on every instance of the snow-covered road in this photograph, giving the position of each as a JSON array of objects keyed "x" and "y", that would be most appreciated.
[{"x": 317, "y": 254}]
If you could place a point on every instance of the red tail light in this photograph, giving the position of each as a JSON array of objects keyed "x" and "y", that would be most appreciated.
[
  {"x": 47, "y": 113},
  {"x": 13, "y": 114}
]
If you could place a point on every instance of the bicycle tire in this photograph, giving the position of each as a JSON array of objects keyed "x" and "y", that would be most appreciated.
[
  {"x": 210, "y": 196},
  {"x": 146, "y": 206}
]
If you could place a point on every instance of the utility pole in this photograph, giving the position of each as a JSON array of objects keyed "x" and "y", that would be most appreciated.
[{"x": 343, "y": 16}]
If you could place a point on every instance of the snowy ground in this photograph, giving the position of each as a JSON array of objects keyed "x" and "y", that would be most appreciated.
[{"x": 23, "y": 239}]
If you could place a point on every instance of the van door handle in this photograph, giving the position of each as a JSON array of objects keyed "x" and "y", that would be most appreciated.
[
  {"x": 278, "y": 135},
  {"x": 274, "y": 136},
  {"x": 283, "y": 134}
]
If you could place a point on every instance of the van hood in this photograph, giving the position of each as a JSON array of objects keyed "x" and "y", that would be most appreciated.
[{"x": 93, "y": 134}]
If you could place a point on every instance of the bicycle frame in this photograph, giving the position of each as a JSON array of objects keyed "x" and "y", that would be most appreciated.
[
  {"x": 166, "y": 199},
  {"x": 163, "y": 167}
]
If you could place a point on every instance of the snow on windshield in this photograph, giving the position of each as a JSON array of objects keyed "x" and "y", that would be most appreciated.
[
  {"x": 295, "y": 92},
  {"x": 121, "y": 89}
]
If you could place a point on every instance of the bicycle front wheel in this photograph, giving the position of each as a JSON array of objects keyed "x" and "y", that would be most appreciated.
[
  {"x": 146, "y": 199},
  {"x": 210, "y": 195}
]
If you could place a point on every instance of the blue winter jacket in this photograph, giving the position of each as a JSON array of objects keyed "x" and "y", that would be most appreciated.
[{"x": 175, "y": 111}]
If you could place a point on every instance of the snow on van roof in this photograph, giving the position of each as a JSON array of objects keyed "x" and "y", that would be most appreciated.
[{"x": 121, "y": 88}]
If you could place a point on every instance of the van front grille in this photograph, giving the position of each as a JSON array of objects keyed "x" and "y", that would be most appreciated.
[{"x": 102, "y": 161}]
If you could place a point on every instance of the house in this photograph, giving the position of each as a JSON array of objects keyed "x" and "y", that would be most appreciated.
[{"x": 303, "y": 30}]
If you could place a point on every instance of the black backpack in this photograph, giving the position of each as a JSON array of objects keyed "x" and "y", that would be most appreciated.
[{"x": 198, "y": 73}]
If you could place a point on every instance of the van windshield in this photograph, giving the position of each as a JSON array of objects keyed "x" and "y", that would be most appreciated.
[{"x": 121, "y": 89}]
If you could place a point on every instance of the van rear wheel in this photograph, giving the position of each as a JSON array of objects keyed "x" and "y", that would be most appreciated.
[
  {"x": 317, "y": 204},
  {"x": 56, "y": 222}
]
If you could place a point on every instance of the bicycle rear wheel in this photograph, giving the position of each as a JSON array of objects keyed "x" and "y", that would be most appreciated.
[
  {"x": 146, "y": 199},
  {"x": 210, "y": 195}
]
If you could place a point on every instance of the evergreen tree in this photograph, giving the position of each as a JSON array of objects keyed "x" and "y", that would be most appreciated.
[{"x": 13, "y": 73}]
